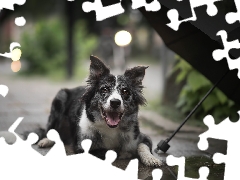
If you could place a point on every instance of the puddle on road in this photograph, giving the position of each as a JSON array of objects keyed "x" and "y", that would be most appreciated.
[
  {"x": 192, "y": 166},
  {"x": 170, "y": 173},
  {"x": 145, "y": 172},
  {"x": 194, "y": 163}
]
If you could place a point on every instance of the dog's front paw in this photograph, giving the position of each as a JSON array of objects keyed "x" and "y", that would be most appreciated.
[
  {"x": 146, "y": 157},
  {"x": 44, "y": 143},
  {"x": 151, "y": 161}
]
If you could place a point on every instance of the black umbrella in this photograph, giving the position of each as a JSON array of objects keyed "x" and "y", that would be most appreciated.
[{"x": 196, "y": 41}]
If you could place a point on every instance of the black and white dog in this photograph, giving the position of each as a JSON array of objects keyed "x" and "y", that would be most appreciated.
[{"x": 105, "y": 111}]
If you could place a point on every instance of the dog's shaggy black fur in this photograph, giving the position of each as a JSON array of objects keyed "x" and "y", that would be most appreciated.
[{"x": 88, "y": 113}]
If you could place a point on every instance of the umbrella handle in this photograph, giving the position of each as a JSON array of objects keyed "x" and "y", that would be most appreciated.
[{"x": 163, "y": 145}]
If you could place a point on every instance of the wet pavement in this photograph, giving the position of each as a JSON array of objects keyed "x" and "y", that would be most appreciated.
[{"x": 31, "y": 98}]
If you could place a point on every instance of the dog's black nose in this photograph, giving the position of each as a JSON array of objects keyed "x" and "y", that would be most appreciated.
[{"x": 115, "y": 103}]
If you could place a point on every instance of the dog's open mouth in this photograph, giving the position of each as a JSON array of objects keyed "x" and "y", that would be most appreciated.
[{"x": 112, "y": 118}]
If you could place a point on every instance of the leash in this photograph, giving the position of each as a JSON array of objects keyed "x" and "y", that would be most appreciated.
[{"x": 163, "y": 144}]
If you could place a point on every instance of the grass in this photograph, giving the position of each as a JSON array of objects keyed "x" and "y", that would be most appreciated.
[
  {"x": 59, "y": 75},
  {"x": 81, "y": 72},
  {"x": 172, "y": 113}
]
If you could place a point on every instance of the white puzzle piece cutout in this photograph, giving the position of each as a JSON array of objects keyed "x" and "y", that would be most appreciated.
[
  {"x": 103, "y": 12},
  {"x": 180, "y": 162},
  {"x": 9, "y": 4},
  {"x": 3, "y": 90},
  {"x": 229, "y": 131},
  {"x": 232, "y": 17},
  {"x": 157, "y": 174},
  {"x": 153, "y": 6},
  {"x": 20, "y": 161},
  {"x": 219, "y": 54},
  {"x": 132, "y": 169},
  {"x": 173, "y": 14},
  {"x": 14, "y": 54}
]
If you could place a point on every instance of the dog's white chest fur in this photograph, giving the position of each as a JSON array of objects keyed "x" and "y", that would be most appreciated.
[{"x": 110, "y": 137}]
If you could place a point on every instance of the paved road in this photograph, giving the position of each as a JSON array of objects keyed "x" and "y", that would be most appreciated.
[{"x": 31, "y": 98}]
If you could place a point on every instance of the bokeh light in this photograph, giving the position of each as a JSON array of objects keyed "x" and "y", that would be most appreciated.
[
  {"x": 123, "y": 38},
  {"x": 16, "y": 66},
  {"x": 16, "y": 54}
]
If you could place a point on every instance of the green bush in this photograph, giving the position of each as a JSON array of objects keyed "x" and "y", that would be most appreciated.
[
  {"x": 44, "y": 48},
  {"x": 216, "y": 104},
  {"x": 85, "y": 43}
]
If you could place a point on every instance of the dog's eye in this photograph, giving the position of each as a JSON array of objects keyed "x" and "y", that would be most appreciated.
[
  {"x": 104, "y": 90},
  {"x": 125, "y": 92}
]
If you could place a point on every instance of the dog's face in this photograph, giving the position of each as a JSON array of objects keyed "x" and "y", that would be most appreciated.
[{"x": 110, "y": 98}]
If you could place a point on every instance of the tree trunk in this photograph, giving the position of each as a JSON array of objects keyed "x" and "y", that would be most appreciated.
[{"x": 70, "y": 33}]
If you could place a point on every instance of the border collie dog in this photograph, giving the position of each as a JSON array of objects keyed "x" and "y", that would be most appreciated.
[{"x": 105, "y": 111}]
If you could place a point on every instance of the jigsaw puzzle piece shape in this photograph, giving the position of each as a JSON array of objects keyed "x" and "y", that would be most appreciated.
[
  {"x": 211, "y": 8},
  {"x": 3, "y": 90},
  {"x": 231, "y": 169},
  {"x": 216, "y": 131},
  {"x": 14, "y": 54},
  {"x": 14, "y": 126},
  {"x": 32, "y": 138},
  {"x": 9, "y": 4},
  {"x": 86, "y": 145},
  {"x": 20, "y": 147},
  {"x": 132, "y": 167},
  {"x": 153, "y": 6},
  {"x": 101, "y": 11},
  {"x": 180, "y": 162},
  {"x": 183, "y": 7},
  {"x": 110, "y": 156},
  {"x": 173, "y": 14},
  {"x": 80, "y": 165},
  {"x": 232, "y": 17},
  {"x": 129, "y": 173},
  {"x": 203, "y": 143},
  {"x": 10, "y": 138},
  {"x": 58, "y": 149},
  {"x": 210, "y": 25},
  {"x": 157, "y": 174},
  {"x": 219, "y": 54},
  {"x": 219, "y": 158},
  {"x": 219, "y": 131}
]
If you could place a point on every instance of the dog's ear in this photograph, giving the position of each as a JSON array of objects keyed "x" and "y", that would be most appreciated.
[
  {"x": 97, "y": 68},
  {"x": 136, "y": 74}
]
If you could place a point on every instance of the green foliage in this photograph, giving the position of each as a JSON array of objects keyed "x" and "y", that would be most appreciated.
[
  {"x": 85, "y": 43},
  {"x": 216, "y": 104},
  {"x": 44, "y": 47}
]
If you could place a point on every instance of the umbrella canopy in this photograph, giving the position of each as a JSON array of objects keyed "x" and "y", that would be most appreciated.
[{"x": 196, "y": 41}]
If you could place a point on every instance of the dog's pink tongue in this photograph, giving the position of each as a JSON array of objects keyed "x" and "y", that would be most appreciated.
[{"x": 112, "y": 119}]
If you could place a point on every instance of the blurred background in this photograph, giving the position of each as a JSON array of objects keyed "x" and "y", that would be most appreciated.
[
  {"x": 56, "y": 43},
  {"x": 59, "y": 37}
]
